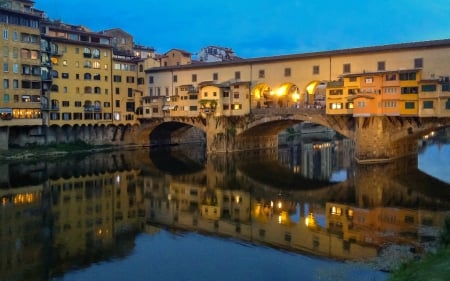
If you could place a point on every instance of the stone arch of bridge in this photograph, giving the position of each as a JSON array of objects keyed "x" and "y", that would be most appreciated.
[
  {"x": 274, "y": 124},
  {"x": 165, "y": 126}
]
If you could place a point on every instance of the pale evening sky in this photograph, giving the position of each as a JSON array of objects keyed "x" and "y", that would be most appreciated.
[{"x": 260, "y": 28}]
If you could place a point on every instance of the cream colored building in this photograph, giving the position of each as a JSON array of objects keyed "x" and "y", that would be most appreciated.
[{"x": 294, "y": 80}]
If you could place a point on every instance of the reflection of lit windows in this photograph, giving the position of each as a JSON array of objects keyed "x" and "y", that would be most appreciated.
[
  {"x": 350, "y": 213},
  {"x": 336, "y": 211}
]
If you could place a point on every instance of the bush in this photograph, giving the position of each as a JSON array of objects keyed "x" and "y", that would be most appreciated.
[{"x": 445, "y": 232}]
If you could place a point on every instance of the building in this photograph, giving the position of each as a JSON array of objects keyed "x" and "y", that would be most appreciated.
[
  {"x": 408, "y": 79},
  {"x": 80, "y": 64},
  {"x": 216, "y": 54},
  {"x": 20, "y": 95},
  {"x": 176, "y": 57}
]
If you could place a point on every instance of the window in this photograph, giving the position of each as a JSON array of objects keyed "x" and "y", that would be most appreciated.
[
  {"x": 16, "y": 84},
  {"x": 346, "y": 68},
  {"x": 409, "y": 105},
  {"x": 117, "y": 78},
  {"x": 405, "y": 76},
  {"x": 194, "y": 77},
  {"x": 5, "y": 51},
  {"x": 391, "y": 77},
  {"x": 87, "y": 76},
  {"x": 5, "y": 34},
  {"x": 428, "y": 88},
  {"x": 65, "y": 103},
  {"x": 5, "y": 67},
  {"x": 381, "y": 66},
  {"x": 237, "y": 75},
  {"x": 65, "y": 75},
  {"x": 87, "y": 53},
  {"x": 316, "y": 69},
  {"x": 287, "y": 72},
  {"x": 5, "y": 98},
  {"x": 418, "y": 63},
  {"x": 5, "y": 83},
  {"x": 390, "y": 90},
  {"x": 445, "y": 87},
  {"x": 261, "y": 73},
  {"x": 117, "y": 91},
  {"x": 427, "y": 104},
  {"x": 215, "y": 76},
  {"x": 15, "y": 36},
  {"x": 150, "y": 79},
  {"x": 410, "y": 90},
  {"x": 447, "y": 104},
  {"x": 96, "y": 53}
]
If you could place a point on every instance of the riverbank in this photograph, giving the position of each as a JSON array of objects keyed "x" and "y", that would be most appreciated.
[{"x": 55, "y": 151}]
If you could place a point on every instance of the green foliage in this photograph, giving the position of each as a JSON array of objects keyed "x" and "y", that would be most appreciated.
[{"x": 445, "y": 232}]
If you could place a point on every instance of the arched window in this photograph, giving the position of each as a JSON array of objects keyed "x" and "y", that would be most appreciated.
[
  {"x": 97, "y": 105},
  {"x": 141, "y": 68},
  {"x": 54, "y": 88},
  {"x": 97, "y": 90},
  {"x": 88, "y": 90},
  {"x": 87, "y": 76}
]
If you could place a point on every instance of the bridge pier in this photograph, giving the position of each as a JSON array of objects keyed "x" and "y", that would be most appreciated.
[
  {"x": 222, "y": 136},
  {"x": 374, "y": 140}
]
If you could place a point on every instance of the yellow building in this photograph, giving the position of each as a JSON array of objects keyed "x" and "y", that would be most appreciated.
[
  {"x": 20, "y": 102},
  {"x": 80, "y": 92}
]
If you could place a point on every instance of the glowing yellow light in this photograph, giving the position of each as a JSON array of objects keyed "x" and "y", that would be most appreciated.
[
  {"x": 310, "y": 220},
  {"x": 280, "y": 204},
  {"x": 271, "y": 204},
  {"x": 311, "y": 87},
  {"x": 295, "y": 96},
  {"x": 237, "y": 199},
  {"x": 257, "y": 94}
]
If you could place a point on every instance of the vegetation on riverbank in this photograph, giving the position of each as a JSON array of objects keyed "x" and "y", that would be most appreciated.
[{"x": 434, "y": 266}]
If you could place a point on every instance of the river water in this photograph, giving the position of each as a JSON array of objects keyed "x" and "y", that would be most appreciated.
[{"x": 304, "y": 211}]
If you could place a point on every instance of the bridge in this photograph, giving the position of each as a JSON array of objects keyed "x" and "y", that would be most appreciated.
[{"x": 376, "y": 138}]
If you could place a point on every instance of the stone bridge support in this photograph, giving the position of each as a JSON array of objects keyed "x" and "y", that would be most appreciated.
[
  {"x": 223, "y": 134},
  {"x": 382, "y": 138}
]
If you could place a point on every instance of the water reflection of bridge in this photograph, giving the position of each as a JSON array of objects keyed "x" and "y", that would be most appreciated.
[{"x": 92, "y": 199}]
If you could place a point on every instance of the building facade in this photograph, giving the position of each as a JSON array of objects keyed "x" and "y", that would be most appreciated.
[
  {"x": 409, "y": 79},
  {"x": 20, "y": 102}
]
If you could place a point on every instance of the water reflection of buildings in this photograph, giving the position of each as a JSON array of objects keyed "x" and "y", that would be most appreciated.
[
  {"x": 73, "y": 220},
  {"x": 66, "y": 222},
  {"x": 348, "y": 232}
]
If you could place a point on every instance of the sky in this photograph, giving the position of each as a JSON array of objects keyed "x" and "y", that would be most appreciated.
[{"x": 260, "y": 28}]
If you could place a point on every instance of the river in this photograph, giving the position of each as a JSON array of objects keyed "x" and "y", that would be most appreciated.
[{"x": 304, "y": 211}]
